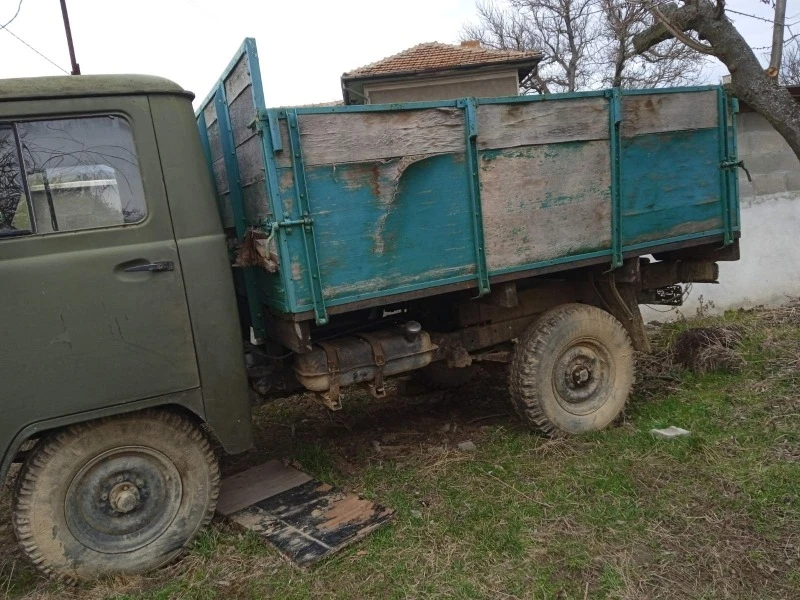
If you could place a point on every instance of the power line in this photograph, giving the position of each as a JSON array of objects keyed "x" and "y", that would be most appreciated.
[
  {"x": 770, "y": 21},
  {"x": 4, "y": 28},
  {"x": 16, "y": 14},
  {"x": 785, "y": 42}
]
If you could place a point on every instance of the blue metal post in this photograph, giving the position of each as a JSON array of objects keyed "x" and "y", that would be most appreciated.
[
  {"x": 725, "y": 169},
  {"x": 614, "y": 124},
  {"x": 301, "y": 193},
  {"x": 236, "y": 196},
  {"x": 474, "y": 185}
]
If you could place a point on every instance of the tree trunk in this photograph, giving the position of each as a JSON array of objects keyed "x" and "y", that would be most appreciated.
[{"x": 749, "y": 81}]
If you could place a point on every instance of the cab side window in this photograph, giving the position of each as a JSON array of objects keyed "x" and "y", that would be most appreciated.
[
  {"x": 15, "y": 218},
  {"x": 79, "y": 173}
]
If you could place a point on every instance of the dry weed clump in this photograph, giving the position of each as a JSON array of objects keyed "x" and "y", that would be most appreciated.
[{"x": 706, "y": 349}]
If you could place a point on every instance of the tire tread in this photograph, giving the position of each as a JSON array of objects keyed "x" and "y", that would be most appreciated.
[{"x": 526, "y": 359}]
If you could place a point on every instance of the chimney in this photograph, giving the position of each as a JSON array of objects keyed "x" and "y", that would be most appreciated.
[{"x": 471, "y": 44}]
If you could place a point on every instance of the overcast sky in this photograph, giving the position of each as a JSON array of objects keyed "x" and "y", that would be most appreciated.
[{"x": 304, "y": 45}]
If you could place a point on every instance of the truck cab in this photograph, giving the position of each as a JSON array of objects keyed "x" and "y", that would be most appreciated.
[{"x": 116, "y": 292}]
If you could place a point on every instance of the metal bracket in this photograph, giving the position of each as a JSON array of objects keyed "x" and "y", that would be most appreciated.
[
  {"x": 268, "y": 119},
  {"x": 470, "y": 106},
  {"x": 614, "y": 124},
  {"x": 332, "y": 399},
  {"x": 727, "y": 162},
  {"x": 377, "y": 387},
  {"x": 301, "y": 194}
]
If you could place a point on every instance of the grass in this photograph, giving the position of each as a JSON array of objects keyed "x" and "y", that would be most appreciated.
[{"x": 616, "y": 514}]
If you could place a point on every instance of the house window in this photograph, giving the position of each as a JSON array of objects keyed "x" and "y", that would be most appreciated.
[{"x": 79, "y": 173}]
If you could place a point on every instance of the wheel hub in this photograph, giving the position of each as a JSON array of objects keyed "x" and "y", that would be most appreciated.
[
  {"x": 581, "y": 376},
  {"x": 123, "y": 499}
]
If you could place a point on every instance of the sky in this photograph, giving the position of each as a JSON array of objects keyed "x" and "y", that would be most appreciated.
[{"x": 304, "y": 45}]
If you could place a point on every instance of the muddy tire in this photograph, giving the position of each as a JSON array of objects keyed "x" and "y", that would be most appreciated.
[
  {"x": 438, "y": 376},
  {"x": 122, "y": 495},
  {"x": 572, "y": 371}
]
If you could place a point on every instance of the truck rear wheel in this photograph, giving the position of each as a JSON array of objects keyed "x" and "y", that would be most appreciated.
[
  {"x": 121, "y": 495},
  {"x": 572, "y": 370}
]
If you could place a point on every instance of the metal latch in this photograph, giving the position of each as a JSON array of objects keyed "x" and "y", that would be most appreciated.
[
  {"x": 273, "y": 226},
  {"x": 733, "y": 164}
]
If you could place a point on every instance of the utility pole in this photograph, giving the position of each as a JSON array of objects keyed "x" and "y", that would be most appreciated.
[
  {"x": 76, "y": 68},
  {"x": 776, "y": 56}
]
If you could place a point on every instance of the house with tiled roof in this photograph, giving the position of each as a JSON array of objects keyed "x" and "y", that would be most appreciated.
[{"x": 435, "y": 71}]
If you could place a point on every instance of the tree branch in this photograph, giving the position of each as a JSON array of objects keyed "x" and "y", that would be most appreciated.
[
  {"x": 748, "y": 80},
  {"x": 679, "y": 35}
]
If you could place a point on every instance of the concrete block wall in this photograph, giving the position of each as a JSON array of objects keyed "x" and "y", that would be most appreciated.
[
  {"x": 769, "y": 270},
  {"x": 774, "y": 167}
]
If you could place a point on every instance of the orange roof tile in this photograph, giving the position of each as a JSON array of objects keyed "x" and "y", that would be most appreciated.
[{"x": 433, "y": 56}]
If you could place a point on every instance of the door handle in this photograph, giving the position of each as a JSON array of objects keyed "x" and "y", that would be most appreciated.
[{"x": 156, "y": 267}]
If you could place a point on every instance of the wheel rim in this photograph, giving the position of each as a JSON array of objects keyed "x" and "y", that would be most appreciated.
[
  {"x": 123, "y": 499},
  {"x": 582, "y": 376}
]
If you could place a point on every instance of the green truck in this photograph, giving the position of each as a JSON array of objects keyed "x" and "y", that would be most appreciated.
[{"x": 162, "y": 269}]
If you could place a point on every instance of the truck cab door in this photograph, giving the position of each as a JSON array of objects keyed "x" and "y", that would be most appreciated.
[{"x": 93, "y": 311}]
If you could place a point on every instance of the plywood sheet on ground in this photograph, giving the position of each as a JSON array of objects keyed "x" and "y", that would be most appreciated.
[{"x": 305, "y": 519}]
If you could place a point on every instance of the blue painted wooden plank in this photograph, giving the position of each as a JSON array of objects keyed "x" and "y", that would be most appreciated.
[
  {"x": 670, "y": 185},
  {"x": 383, "y": 226}
]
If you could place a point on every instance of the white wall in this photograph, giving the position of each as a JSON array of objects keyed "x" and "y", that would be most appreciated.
[{"x": 769, "y": 269}]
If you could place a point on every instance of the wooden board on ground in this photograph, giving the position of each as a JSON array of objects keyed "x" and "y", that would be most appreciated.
[{"x": 305, "y": 519}]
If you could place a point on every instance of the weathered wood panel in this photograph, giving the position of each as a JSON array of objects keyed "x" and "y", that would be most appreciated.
[
  {"x": 312, "y": 521},
  {"x": 363, "y": 137},
  {"x": 213, "y": 138},
  {"x": 247, "y": 145},
  {"x": 544, "y": 122},
  {"x": 242, "y": 112},
  {"x": 384, "y": 225},
  {"x": 238, "y": 79},
  {"x": 257, "y": 483},
  {"x": 670, "y": 185},
  {"x": 545, "y": 202},
  {"x": 654, "y": 113}
]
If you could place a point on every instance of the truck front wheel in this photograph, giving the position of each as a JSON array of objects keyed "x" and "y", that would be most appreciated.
[
  {"x": 572, "y": 370},
  {"x": 121, "y": 495}
]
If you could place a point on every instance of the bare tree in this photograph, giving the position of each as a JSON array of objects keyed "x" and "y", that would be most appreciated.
[
  {"x": 562, "y": 29},
  {"x": 586, "y": 43},
  {"x": 703, "y": 26},
  {"x": 622, "y": 66},
  {"x": 790, "y": 66}
]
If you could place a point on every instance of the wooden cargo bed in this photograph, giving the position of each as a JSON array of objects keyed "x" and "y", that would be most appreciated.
[{"x": 363, "y": 204}]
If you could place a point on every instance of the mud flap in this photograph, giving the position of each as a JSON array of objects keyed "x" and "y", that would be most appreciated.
[{"x": 305, "y": 519}]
